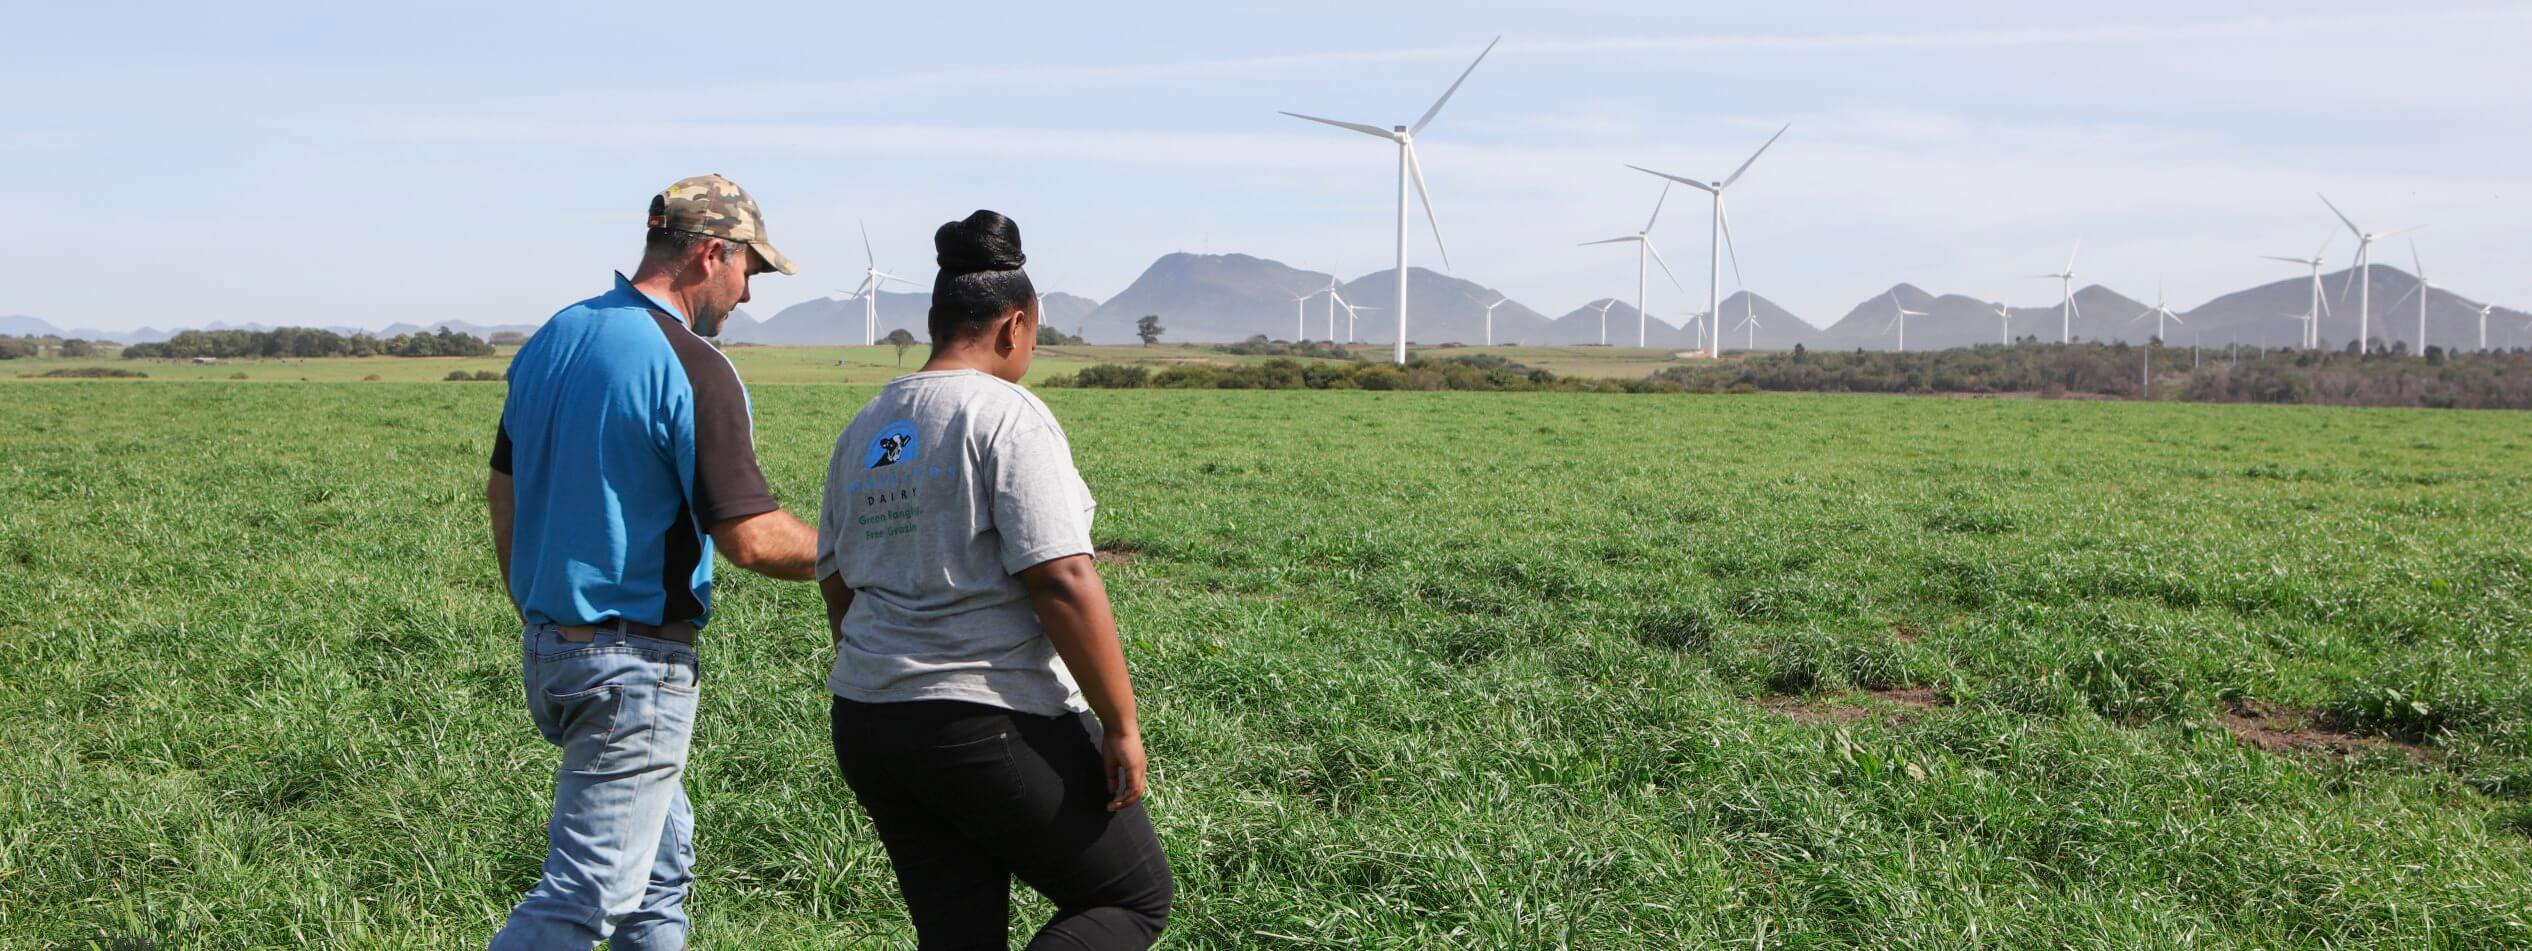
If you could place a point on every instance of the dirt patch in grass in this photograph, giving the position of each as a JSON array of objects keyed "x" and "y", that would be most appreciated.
[
  {"x": 1906, "y": 633},
  {"x": 1116, "y": 556},
  {"x": 2281, "y": 729},
  {"x": 1890, "y": 706}
]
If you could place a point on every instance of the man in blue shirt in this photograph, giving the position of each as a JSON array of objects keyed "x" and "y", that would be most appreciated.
[{"x": 625, "y": 457}]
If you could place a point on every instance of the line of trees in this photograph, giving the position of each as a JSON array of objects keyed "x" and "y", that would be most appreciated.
[
  {"x": 308, "y": 342},
  {"x": 1484, "y": 372},
  {"x": 20, "y": 348},
  {"x": 2491, "y": 380},
  {"x": 1259, "y": 345}
]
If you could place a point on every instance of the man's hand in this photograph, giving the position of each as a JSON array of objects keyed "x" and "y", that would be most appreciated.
[
  {"x": 1124, "y": 753},
  {"x": 773, "y": 544}
]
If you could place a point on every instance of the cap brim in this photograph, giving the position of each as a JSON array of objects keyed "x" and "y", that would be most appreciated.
[{"x": 774, "y": 259}]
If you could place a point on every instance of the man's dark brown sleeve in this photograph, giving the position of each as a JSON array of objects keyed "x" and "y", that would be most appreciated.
[
  {"x": 501, "y": 449},
  {"x": 728, "y": 484}
]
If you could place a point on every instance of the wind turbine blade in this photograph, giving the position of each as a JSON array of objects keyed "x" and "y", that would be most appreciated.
[
  {"x": 2404, "y": 297},
  {"x": 1700, "y": 186},
  {"x": 1657, "y": 208},
  {"x": 1657, "y": 259},
  {"x": 2414, "y": 259},
  {"x": 2272, "y": 257},
  {"x": 1723, "y": 215},
  {"x": 1762, "y": 150},
  {"x": 2325, "y": 245},
  {"x": 2070, "y": 259},
  {"x": 2394, "y": 234},
  {"x": 867, "y": 254},
  {"x": 1356, "y": 126},
  {"x": 2075, "y": 306},
  {"x": 1446, "y": 94},
  {"x": 2334, "y": 209},
  {"x": 867, "y": 284},
  {"x": 1631, "y": 237},
  {"x": 1417, "y": 167}
]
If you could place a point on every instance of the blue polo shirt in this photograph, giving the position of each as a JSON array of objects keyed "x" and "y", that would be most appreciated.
[{"x": 626, "y": 438}]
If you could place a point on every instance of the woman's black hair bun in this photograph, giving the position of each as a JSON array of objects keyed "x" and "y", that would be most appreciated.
[{"x": 984, "y": 241}]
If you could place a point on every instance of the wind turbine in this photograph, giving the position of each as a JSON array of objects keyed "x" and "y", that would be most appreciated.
[
  {"x": 2160, "y": 313},
  {"x": 2312, "y": 323},
  {"x": 2363, "y": 269},
  {"x": 1697, "y": 320},
  {"x": 1299, "y": 330},
  {"x": 1722, "y": 229},
  {"x": 1350, "y": 309},
  {"x": 1500, "y": 301},
  {"x": 2067, "y": 313},
  {"x": 1334, "y": 299},
  {"x": 1749, "y": 319},
  {"x": 2004, "y": 324},
  {"x": 2421, "y": 288},
  {"x": 2483, "y": 325},
  {"x": 872, "y": 279},
  {"x": 1407, "y": 165},
  {"x": 1900, "y": 320},
  {"x": 1643, "y": 241},
  {"x": 1605, "y": 304}
]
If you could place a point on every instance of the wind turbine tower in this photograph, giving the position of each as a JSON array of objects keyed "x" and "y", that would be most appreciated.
[
  {"x": 2312, "y": 320},
  {"x": 1490, "y": 318},
  {"x": 1749, "y": 319},
  {"x": 2160, "y": 313},
  {"x": 1900, "y": 320},
  {"x": 1605, "y": 304},
  {"x": 2420, "y": 289},
  {"x": 1643, "y": 241},
  {"x": 1721, "y": 230},
  {"x": 872, "y": 279},
  {"x": 1408, "y": 166},
  {"x": 2067, "y": 312},
  {"x": 2362, "y": 270}
]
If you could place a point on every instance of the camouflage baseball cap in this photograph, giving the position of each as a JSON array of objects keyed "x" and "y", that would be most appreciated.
[{"x": 716, "y": 206}]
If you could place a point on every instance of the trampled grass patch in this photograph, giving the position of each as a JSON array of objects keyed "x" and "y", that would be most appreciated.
[{"x": 1418, "y": 669}]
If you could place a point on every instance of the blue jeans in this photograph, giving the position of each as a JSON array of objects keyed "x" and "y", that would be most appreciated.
[{"x": 620, "y": 844}]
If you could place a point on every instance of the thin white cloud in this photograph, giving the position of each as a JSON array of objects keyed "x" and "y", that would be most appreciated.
[{"x": 1981, "y": 39}]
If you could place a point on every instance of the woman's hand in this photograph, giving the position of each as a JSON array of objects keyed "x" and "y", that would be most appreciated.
[
  {"x": 1072, "y": 605},
  {"x": 1124, "y": 753}
]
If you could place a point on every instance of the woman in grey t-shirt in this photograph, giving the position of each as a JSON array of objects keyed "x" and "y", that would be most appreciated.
[{"x": 972, "y": 634}]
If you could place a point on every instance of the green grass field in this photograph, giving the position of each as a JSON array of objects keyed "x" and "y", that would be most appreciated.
[{"x": 1418, "y": 670}]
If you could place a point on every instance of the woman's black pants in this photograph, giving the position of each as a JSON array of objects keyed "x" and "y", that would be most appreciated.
[{"x": 965, "y": 796}]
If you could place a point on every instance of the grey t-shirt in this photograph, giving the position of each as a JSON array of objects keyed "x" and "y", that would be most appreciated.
[{"x": 941, "y": 492}]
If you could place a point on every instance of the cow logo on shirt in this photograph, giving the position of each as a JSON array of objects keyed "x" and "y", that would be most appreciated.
[{"x": 894, "y": 444}]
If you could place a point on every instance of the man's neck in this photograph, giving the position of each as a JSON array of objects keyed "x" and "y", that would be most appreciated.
[{"x": 661, "y": 287}]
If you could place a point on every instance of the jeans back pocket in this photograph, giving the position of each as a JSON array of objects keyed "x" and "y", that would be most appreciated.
[{"x": 584, "y": 723}]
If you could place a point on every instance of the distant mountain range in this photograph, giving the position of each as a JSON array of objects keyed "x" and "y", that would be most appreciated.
[
  {"x": 1213, "y": 298},
  {"x": 23, "y": 326}
]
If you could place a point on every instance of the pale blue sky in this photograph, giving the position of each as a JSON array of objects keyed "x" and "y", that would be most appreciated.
[{"x": 361, "y": 164}]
